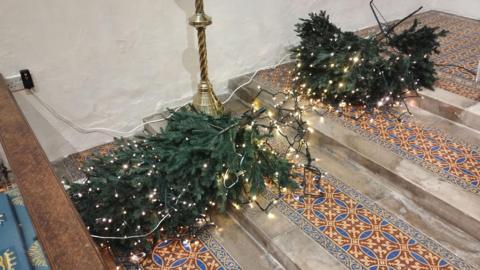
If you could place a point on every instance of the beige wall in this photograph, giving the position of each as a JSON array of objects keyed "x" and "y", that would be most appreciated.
[
  {"x": 467, "y": 8},
  {"x": 109, "y": 63}
]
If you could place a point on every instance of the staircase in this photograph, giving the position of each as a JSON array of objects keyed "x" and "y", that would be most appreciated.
[
  {"x": 432, "y": 210},
  {"x": 393, "y": 195},
  {"x": 437, "y": 204},
  {"x": 428, "y": 194}
]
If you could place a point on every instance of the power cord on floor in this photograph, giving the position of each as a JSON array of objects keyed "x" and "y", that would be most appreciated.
[
  {"x": 112, "y": 132},
  {"x": 459, "y": 67}
]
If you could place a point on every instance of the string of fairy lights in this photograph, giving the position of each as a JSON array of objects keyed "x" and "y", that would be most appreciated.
[{"x": 168, "y": 205}]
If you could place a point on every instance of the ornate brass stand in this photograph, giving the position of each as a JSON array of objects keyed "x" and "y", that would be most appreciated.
[{"x": 205, "y": 100}]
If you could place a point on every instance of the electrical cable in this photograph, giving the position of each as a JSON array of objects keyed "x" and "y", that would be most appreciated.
[
  {"x": 109, "y": 132},
  {"x": 253, "y": 76},
  {"x": 457, "y": 66},
  {"x": 132, "y": 236}
]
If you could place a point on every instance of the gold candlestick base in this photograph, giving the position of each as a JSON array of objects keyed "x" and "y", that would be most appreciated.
[{"x": 206, "y": 101}]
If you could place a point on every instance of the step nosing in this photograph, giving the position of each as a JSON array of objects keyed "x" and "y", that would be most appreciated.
[
  {"x": 267, "y": 243},
  {"x": 449, "y": 106}
]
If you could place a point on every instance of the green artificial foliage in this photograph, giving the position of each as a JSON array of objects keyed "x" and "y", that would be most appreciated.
[
  {"x": 196, "y": 163},
  {"x": 341, "y": 68}
]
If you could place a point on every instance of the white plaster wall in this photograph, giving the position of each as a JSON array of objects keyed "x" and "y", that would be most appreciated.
[
  {"x": 467, "y": 8},
  {"x": 109, "y": 63}
]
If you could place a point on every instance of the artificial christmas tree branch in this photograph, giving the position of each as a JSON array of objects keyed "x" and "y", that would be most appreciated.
[
  {"x": 165, "y": 185},
  {"x": 342, "y": 69}
]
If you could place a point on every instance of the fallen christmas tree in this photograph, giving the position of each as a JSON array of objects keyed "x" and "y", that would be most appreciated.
[
  {"x": 340, "y": 68},
  {"x": 165, "y": 185}
]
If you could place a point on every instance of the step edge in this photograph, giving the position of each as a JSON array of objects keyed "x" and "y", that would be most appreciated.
[
  {"x": 252, "y": 225},
  {"x": 461, "y": 113},
  {"x": 262, "y": 239}
]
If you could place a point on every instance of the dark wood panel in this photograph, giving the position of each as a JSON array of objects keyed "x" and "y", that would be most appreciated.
[{"x": 59, "y": 228}]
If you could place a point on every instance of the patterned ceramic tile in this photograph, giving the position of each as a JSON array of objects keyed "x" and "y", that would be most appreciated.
[
  {"x": 457, "y": 162},
  {"x": 204, "y": 253},
  {"x": 80, "y": 157},
  {"x": 460, "y": 47},
  {"x": 459, "y": 88},
  {"x": 68, "y": 169},
  {"x": 360, "y": 234}
]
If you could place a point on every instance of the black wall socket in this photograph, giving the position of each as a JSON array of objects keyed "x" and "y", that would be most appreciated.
[{"x": 27, "y": 79}]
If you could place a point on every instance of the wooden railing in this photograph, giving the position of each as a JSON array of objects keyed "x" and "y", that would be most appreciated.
[{"x": 66, "y": 242}]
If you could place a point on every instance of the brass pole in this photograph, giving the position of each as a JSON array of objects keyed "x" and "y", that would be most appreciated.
[{"x": 205, "y": 99}]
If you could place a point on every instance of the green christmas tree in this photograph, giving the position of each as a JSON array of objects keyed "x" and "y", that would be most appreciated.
[
  {"x": 165, "y": 185},
  {"x": 341, "y": 68}
]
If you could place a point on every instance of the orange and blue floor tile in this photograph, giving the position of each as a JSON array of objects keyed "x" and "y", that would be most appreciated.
[
  {"x": 203, "y": 253},
  {"x": 359, "y": 233}
]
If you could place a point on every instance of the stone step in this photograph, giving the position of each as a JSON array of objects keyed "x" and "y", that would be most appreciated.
[
  {"x": 455, "y": 130},
  {"x": 288, "y": 244},
  {"x": 243, "y": 247},
  {"x": 289, "y": 241},
  {"x": 451, "y": 106},
  {"x": 410, "y": 183}
]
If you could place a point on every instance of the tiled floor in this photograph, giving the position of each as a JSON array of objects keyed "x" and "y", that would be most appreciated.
[
  {"x": 359, "y": 233},
  {"x": 455, "y": 161},
  {"x": 204, "y": 253},
  {"x": 69, "y": 168}
]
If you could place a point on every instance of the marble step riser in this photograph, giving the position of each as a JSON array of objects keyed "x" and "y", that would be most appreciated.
[
  {"x": 396, "y": 179},
  {"x": 262, "y": 239},
  {"x": 449, "y": 128},
  {"x": 242, "y": 245},
  {"x": 447, "y": 110},
  {"x": 285, "y": 241}
]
